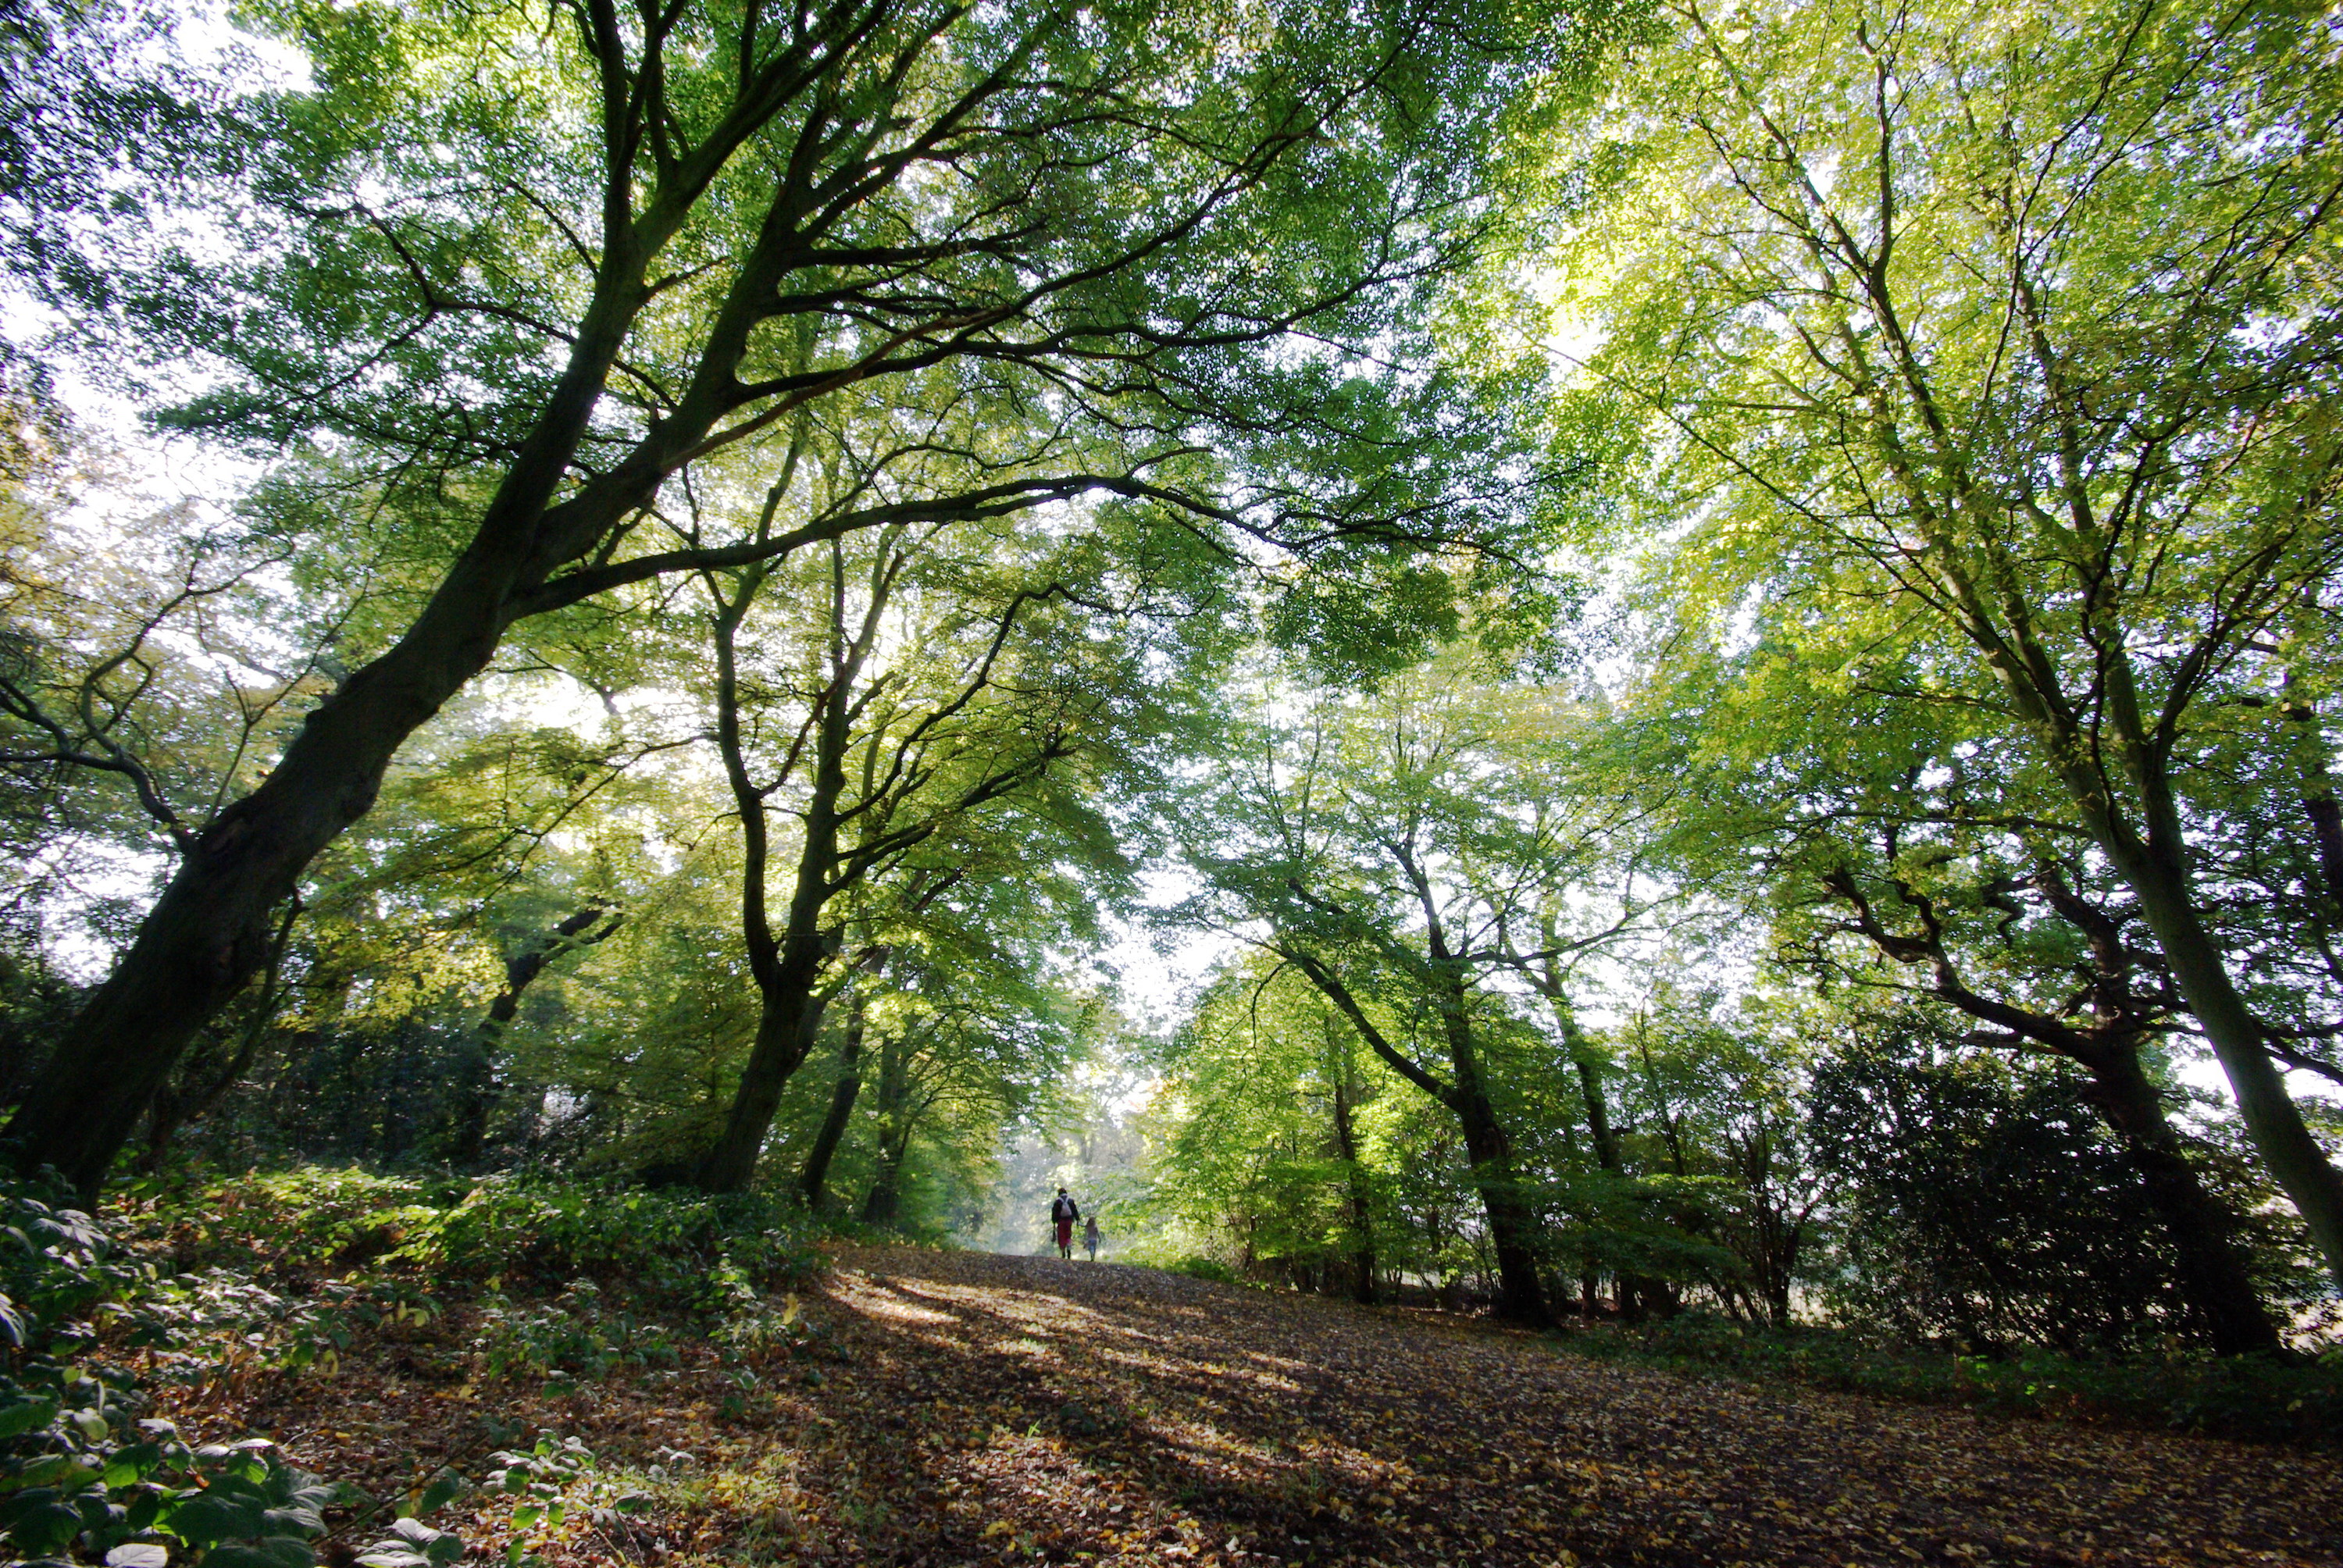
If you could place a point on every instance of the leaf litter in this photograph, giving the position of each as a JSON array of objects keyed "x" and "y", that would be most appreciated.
[{"x": 969, "y": 1408}]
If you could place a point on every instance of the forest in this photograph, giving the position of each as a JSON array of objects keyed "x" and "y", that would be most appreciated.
[{"x": 1642, "y": 677}]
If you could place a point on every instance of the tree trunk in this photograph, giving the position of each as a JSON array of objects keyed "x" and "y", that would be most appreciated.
[
  {"x": 895, "y": 1118},
  {"x": 1362, "y": 1256},
  {"x": 208, "y": 933},
  {"x": 2318, "y": 787},
  {"x": 841, "y": 1108},
  {"x": 173, "y": 1111},
  {"x": 476, "y": 1093},
  {"x": 788, "y": 1020},
  {"x": 1639, "y": 1295},
  {"x": 2204, "y": 1232},
  {"x": 786, "y": 971},
  {"x": 1598, "y": 1116},
  {"x": 2271, "y": 1117},
  {"x": 1513, "y": 1227},
  {"x": 2212, "y": 1274}
]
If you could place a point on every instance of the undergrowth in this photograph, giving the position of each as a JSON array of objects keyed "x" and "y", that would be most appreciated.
[
  {"x": 660, "y": 1247},
  {"x": 282, "y": 1275},
  {"x": 2247, "y": 1397}
]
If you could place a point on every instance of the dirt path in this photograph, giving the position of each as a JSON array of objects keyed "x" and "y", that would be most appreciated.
[
  {"x": 1035, "y": 1407},
  {"x": 974, "y": 1409}
]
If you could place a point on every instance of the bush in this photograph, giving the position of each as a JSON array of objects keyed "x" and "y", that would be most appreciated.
[
  {"x": 573, "y": 1334},
  {"x": 665, "y": 1247},
  {"x": 80, "y": 1470},
  {"x": 1199, "y": 1268},
  {"x": 1983, "y": 1202},
  {"x": 289, "y": 1224},
  {"x": 659, "y": 1248},
  {"x": 2247, "y": 1397}
]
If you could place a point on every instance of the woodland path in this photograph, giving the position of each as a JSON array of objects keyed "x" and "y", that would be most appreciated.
[
  {"x": 981, "y": 1409},
  {"x": 1060, "y": 1408}
]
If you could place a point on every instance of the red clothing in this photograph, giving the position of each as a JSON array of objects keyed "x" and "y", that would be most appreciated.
[{"x": 1065, "y": 1232}]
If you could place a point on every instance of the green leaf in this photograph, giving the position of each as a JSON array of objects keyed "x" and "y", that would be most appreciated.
[
  {"x": 208, "y": 1517},
  {"x": 445, "y": 1488},
  {"x": 392, "y": 1554},
  {"x": 128, "y": 1466},
  {"x": 46, "y": 1526},
  {"x": 26, "y": 1416},
  {"x": 297, "y": 1522},
  {"x": 62, "y": 1471},
  {"x": 276, "y": 1552},
  {"x": 137, "y": 1555}
]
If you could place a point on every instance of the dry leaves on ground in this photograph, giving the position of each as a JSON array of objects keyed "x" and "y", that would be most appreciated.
[{"x": 985, "y": 1409}]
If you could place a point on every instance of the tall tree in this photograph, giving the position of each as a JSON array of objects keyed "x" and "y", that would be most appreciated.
[
  {"x": 952, "y": 675},
  {"x": 1393, "y": 851},
  {"x": 1965, "y": 323},
  {"x": 679, "y": 225}
]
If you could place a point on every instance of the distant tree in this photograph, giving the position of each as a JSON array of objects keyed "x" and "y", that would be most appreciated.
[{"x": 1400, "y": 852}]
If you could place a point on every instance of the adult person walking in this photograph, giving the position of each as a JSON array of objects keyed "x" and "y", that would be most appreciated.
[
  {"x": 1091, "y": 1237},
  {"x": 1063, "y": 1214}
]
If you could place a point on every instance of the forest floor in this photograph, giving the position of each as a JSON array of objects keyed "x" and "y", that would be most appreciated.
[{"x": 972, "y": 1408}]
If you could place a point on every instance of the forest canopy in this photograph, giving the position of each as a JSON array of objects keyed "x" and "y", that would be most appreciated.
[{"x": 1707, "y": 634}]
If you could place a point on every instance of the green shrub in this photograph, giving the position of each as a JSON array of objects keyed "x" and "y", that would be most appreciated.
[
  {"x": 1201, "y": 1268},
  {"x": 289, "y": 1224},
  {"x": 574, "y": 1335},
  {"x": 663, "y": 1245},
  {"x": 84, "y": 1477},
  {"x": 80, "y": 1470}
]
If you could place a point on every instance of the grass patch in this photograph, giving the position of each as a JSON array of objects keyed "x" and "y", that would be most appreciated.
[{"x": 2246, "y": 1397}]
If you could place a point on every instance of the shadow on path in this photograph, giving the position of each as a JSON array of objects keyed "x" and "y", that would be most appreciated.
[{"x": 998, "y": 1409}]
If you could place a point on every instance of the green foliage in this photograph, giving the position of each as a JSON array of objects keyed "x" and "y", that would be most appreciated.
[
  {"x": 574, "y": 1335},
  {"x": 661, "y": 1247},
  {"x": 540, "y": 1482},
  {"x": 664, "y": 1244},
  {"x": 1985, "y": 511},
  {"x": 2240, "y": 1397},
  {"x": 290, "y": 1224},
  {"x": 1201, "y": 1268},
  {"x": 80, "y": 1469},
  {"x": 1984, "y": 1204}
]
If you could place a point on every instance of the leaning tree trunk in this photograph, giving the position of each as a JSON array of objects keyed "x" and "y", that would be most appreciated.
[
  {"x": 2152, "y": 860},
  {"x": 1633, "y": 1291},
  {"x": 194, "y": 1099},
  {"x": 787, "y": 969},
  {"x": 788, "y": 1020},
  {"x": 1346, "y": 1143},
  {"x": 2213, "y": 1279},
  {"x": 1512, "y": 1225},
  {"x": 208, "y": 933},
  {"x": 476, "y": 1089},
  {"x": 2271, "y": 1117}
]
